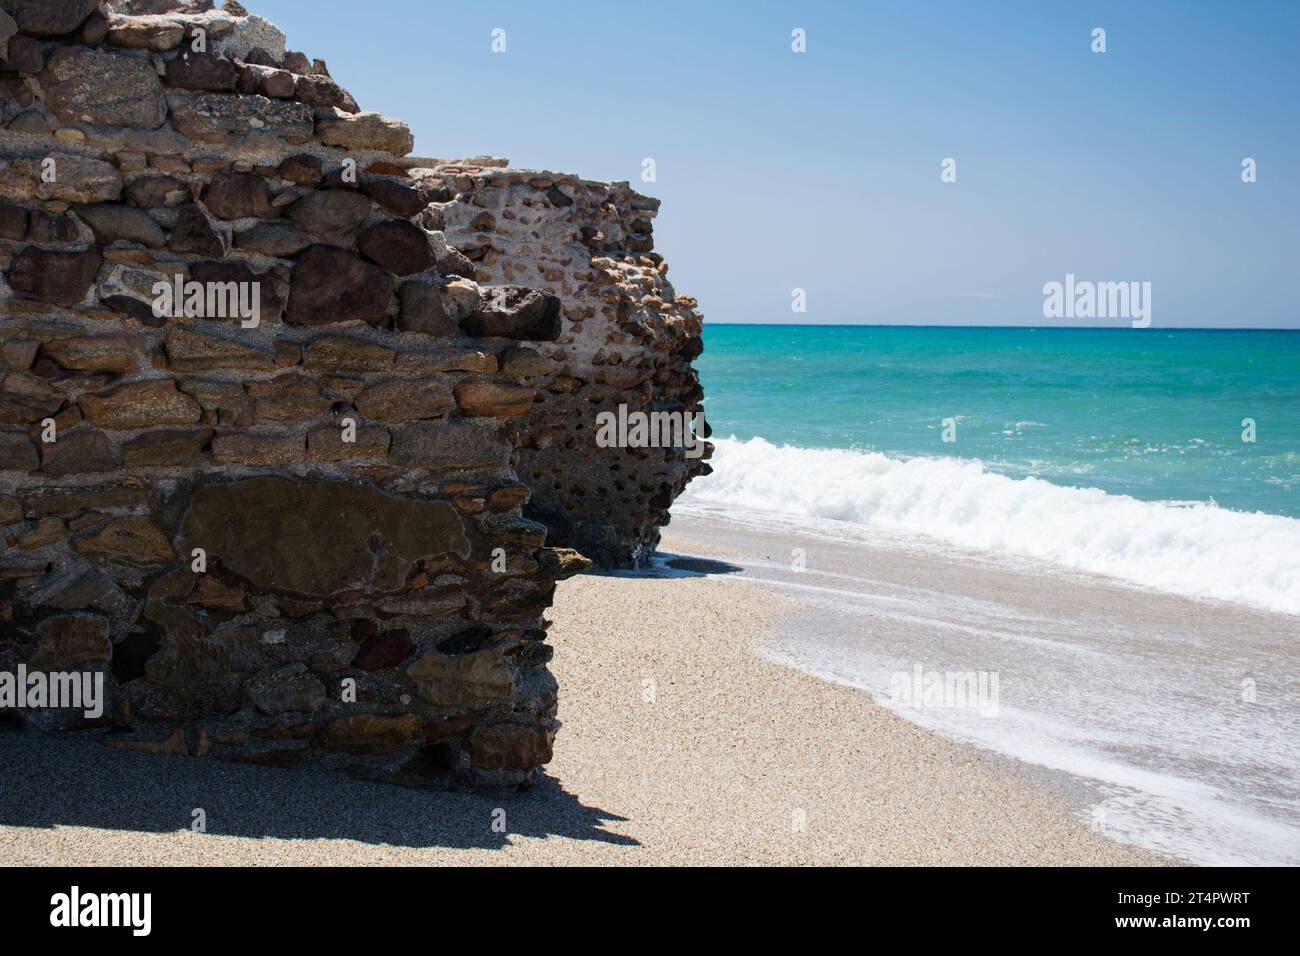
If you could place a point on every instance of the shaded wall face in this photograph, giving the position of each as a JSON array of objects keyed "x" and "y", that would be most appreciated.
[
  {"x": 259, "y": 426},
  {"x": 626, "y": 340}
]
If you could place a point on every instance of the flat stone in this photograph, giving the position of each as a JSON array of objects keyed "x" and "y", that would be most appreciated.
[
  {"x": 496, "y": 399},
  {"x": 365, "y": 131},
  {"x": 326, "y": 444},
  {"x": 280, "y": 240},
  {"x": 524, "y": 363},
  {"x": 333, "y": 353},
  {"x": 113, "y": 223},
  {"x": 215, "y": 117},
  {"x": 239, "y": 196},
  {"x": 210, "y": 72},
  {"x": 115, "y": 354},
  {"x": 406, "y": 400},
  {"x": 398, "y": 198},
  {"x": 450, "y": 444},
  {"x": 140, "y": 405},
  {"x": 369, "y": 734},
  {"x": 69, "y": 640},
  {"x": 331, "y": 214},
  {"x": 189, "y": 351},
  {"x": 98, "y": 86},
  {"x": 511, "y": 312},
  {"x": 62, "y": 278},
  {"x": 508, "y": 746},
  {"x": 261, "y": 451},
  {"x": 288, "y": 689},
  {"x": 399, "y": 246},
  {"x": 50, "y": 17},
  {"x": 77, "y": 589},
  {"x": 168, "y": 448},
  {"x": 287, "y": 398},
  {"x": 319, "y": 539},
  {"x": 133, "y": 540},
  {"x": 158, "y": 34},
  {"x": 331, "y": 285}
]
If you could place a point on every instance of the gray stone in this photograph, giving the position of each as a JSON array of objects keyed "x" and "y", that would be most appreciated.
[
  {"x": 98, "y": 86},
  {"x": 333, "y": 214},
  {"x": 365, "y": 131},
  {"x": 273, "y": 239},
  {"x": 51, "y": 17},
  {"x": 215, "y": 117},
  {"x": 288, "y": 689},
  {"x": 112, "y": 223}
]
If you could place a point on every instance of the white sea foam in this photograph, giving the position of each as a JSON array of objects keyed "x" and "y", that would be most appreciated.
[{"x": 1198, "y": 550}]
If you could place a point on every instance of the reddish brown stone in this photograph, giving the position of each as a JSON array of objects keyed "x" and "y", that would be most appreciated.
[
  {"x": 384, "y": 650},
  {"x": 62, "y": 278}
]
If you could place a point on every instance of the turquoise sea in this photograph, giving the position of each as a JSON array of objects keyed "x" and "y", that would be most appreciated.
[
  {"x": 1113, "y": 451},
  {"x": 1152, "y": 414}
]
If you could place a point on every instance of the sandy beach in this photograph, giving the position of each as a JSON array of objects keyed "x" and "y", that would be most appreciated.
[{"x": 680, "y": 745}]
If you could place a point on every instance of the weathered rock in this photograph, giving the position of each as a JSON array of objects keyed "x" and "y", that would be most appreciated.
[
  {"x": 398, "y": 198},
  {"x": 134, "y": 540},
  {"x": 326, "y": 444},
  {"x": 510, "y": 312},
  {"x": 50, "y": 17},
  {"x": 98, "y": 86},
  {"x": 365, "y": 131},
  {"x": 317, "y": 540},
  {"x": 493, "y": 399},
  {"x": 140, "y": 405},
  {"x": 423, "y": 309},
  {"x": 303, "y": 170},
  {"x": 291, "y": 688},
  {"x": 406, "y": 400},
  {"x": 512, "y": 745},
  {"x": 452, "y": 444},
  {"x": 331, "y": 285},
  {"x": 189, "y": 351},
  {"x": 334, "y": 214},
  {"x": 215, "y": 117},
  {"x": 166, "y": 449},
  {"x": 239, "y": 196},
  {"x": 62, "y": 278},
  {"x": 112, "y": 223},
  {"x": 468, "y": 681},
  {"x": 397, "y": 245},
  {"x": 210, "y": 72},
  {"x": 158, "y": 34},
  {"x": 261, "y": 451},
  {"x": 287, "y": 398},
  {"x": 117, "y": 354}
]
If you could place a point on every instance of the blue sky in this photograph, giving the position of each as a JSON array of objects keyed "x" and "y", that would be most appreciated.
[{"x": 821, "y": 170}]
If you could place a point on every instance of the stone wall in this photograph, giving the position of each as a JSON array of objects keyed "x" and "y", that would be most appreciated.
[
  {"x": 626, "y": 338},
  {"x": 296, "y": 536}
]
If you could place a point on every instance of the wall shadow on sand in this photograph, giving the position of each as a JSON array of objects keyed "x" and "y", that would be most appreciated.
[{"x": 61, "y": 782}]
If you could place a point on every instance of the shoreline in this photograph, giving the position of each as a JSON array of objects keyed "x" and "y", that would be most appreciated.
[{"x": 680, "y": 745}]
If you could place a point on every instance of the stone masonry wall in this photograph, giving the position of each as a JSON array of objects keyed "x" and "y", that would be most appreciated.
[
  {"x": 625, "y": 337},
  {"x": 300, "y": 541}
]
